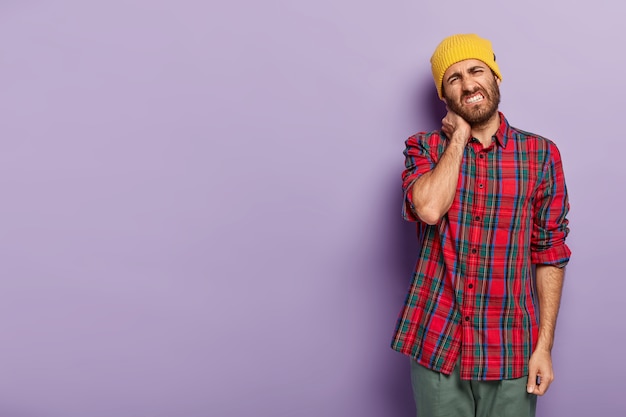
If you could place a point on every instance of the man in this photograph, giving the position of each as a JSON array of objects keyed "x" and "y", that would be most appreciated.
[{"x": 490, "y": 203}]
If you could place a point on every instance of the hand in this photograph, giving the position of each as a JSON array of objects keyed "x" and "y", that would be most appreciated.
[
  {"x": 455, "y": 127},
  {"x": 540, "y": 365}
]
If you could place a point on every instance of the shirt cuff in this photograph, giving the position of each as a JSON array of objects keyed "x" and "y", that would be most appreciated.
[
  {"x": 408, "y": 210},
  {"x": 557, "y": 256}
]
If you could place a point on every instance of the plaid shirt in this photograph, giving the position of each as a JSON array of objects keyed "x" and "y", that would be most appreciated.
[{"x": 472, "y": 292}]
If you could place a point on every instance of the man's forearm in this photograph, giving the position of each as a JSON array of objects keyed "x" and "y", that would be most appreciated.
[
  {"x": 549, "y": 288},
  {"x": 433, "y": 192}
]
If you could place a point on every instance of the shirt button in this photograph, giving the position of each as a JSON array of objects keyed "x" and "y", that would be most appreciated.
[
  {"x": 470, "y": 286},
  {"x": 474, "y": 250},
  {"x": 480, "y": 186},
  {"x": 477, "y": 218},
  {"x": 481, "y": 156},
  {"x": 466, "y": 318}
]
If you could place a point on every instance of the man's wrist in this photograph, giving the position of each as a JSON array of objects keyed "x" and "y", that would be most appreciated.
[
  {"x": 543, "y": 348},
  {"x": 459, "y": 139}
]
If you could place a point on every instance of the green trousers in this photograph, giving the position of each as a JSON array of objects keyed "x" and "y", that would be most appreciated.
[{"x": 440, "y": 395}]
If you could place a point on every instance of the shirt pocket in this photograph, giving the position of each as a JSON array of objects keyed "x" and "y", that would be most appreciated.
[{"x": 512, "y": 204}]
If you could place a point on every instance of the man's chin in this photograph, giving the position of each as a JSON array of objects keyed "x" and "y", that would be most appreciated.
[{"x": 480, "y": 117}]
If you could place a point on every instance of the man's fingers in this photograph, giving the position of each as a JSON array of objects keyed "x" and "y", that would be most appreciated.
[
  {"x": 544, "y": 384},
  {"x": 538, "y": 383}
]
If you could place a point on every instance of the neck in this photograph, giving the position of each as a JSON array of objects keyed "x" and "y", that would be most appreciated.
[{"x": 485, "y": 131}]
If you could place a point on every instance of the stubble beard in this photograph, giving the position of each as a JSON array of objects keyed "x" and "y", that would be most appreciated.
[{"x": 477, "y": 116}]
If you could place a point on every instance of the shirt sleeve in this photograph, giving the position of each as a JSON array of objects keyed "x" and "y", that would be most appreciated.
[
  {"x": 550, "y": 224},
  {"x": 418, "y": 160}
]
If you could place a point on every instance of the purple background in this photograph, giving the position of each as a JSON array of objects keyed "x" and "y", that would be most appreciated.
[{"x": 200, "y": 203}]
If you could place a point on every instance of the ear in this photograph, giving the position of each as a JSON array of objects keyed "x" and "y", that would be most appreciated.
[{"x": 497, "y": 80}]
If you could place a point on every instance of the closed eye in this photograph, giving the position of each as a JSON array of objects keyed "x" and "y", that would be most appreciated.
[{"x": 452, "y": 78}]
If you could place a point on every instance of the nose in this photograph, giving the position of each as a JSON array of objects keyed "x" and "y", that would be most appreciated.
[{"x": 468, "y": 84}]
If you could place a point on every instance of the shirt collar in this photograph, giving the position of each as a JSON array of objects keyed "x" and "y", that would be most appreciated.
[{"x": 502, "y": 134}]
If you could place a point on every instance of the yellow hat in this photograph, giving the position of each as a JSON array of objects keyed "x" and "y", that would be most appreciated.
[{"x": 457, "y": 48}]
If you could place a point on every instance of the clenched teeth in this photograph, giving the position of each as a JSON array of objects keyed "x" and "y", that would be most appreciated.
[{"x": 474, "y": 99}]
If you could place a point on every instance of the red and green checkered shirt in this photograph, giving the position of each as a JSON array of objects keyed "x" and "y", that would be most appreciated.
[{"x": 472, "y": 293}]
